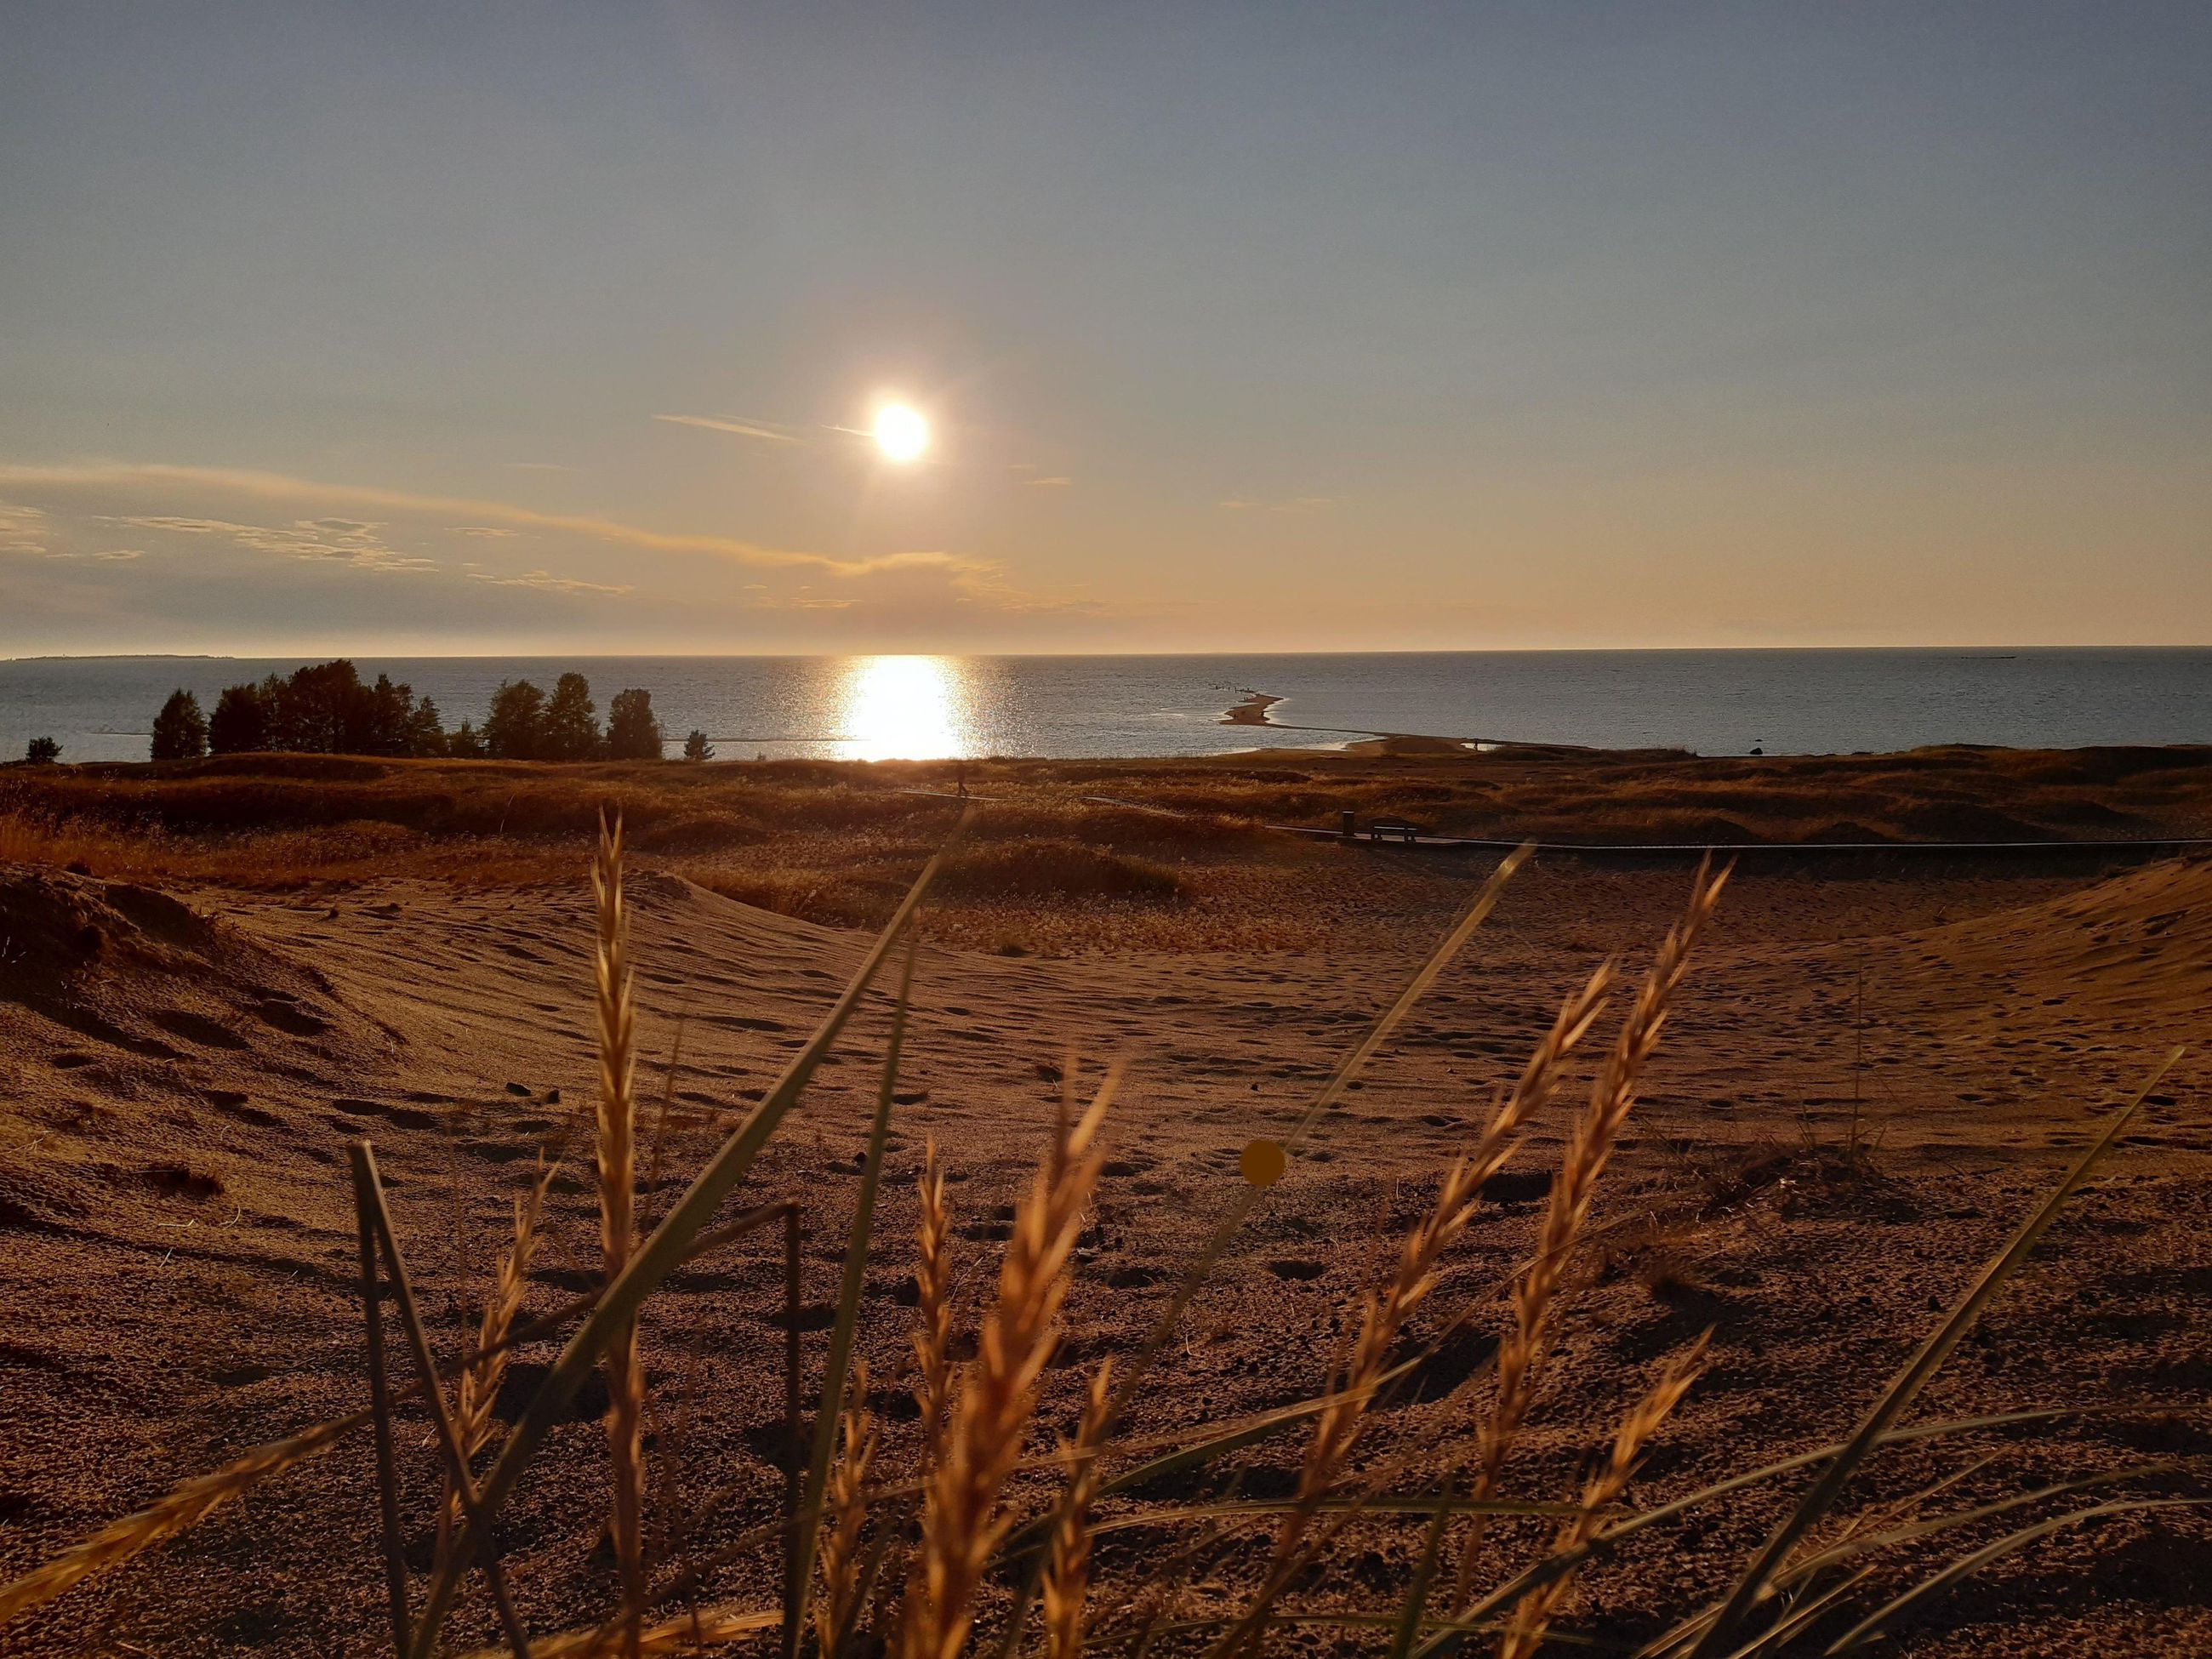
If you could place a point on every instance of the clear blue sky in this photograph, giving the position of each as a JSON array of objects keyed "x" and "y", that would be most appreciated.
[{"x": 1239, "y": 326}]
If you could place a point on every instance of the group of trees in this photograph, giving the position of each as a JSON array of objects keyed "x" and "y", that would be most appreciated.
[
  {"x": 525, "y": 724},
  {"x": 326, "y": 709}
]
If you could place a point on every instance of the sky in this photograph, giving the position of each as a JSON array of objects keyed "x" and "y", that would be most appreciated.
[{"x": 499, "y": 327}]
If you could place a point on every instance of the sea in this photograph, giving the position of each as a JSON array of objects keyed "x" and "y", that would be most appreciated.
[{"x": 887, "y": 707}]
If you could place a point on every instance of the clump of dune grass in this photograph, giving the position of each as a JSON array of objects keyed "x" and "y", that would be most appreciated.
[
  {"x": 1054, "y": 868},
  {"x": 957, "y": 1513}
]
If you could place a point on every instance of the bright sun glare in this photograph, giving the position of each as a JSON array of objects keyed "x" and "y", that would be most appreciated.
[
  {"x": 904, "y": 709},
  {"x": 900, "y": 433}
]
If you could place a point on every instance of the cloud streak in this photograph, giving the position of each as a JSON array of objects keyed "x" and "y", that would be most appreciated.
[
  {"x": 666, "y": 581},
  {"x": 22, "y": 529},
  {"x": 278, "y": 488},
  {"x": 546, "y": 583},
  {"x": 354, "y": 541},
  {"x": 1294, "y": 504},
  {"x": 762, "y": 430}
]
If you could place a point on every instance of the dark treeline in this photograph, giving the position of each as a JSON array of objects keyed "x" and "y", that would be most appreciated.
[{"x": 326, "y": 709}]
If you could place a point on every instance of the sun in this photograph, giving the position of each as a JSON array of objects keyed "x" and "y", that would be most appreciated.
[{"x": 900, "y": 433}]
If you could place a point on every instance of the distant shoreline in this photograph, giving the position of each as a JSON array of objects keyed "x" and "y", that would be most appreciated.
[{"x": 126, "y": 656}]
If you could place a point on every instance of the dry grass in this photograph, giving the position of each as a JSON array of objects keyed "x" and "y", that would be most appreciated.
[
  {"x": 980, "y": 1439},
  {"x": 846, "y": 1507},
  {"x": 1067, "y": 1570},
  {"x": 617, "y": 1168},
  {"x": 1534, "y": 1612},
  {"x": 1061, "y": 856},
  {"x": 477, "y": 1388},
  {"x": 962, "y": 1509},
  {"x": 1382, "y": 1319},
  {"x": 1589, "y": 1148},
  {"x": 932, "y": 1274}
]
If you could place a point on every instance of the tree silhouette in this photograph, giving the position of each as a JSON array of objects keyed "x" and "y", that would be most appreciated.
[
  {"x": 43, "y": 751},
  {"x": 697, "y": 748},
  {"x": 570, "y": 732},
  {"x": 515, "y": 728},
  {"x": 180, "y": 731},
  {"x": 632, "y": 731},
  {"x": 239, "y": 724}
]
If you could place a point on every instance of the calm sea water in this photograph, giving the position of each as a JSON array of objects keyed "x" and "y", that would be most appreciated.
[{"x": 1714, "y": 702}]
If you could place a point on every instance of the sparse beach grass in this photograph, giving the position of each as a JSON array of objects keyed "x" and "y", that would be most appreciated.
[{"x": 1059, "y": 857}]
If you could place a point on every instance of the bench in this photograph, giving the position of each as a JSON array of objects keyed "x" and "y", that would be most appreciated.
[{"x": 1393, "y": 829}]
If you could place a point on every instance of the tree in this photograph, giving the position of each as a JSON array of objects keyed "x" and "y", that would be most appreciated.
[
  {"x": 239, "y": 724},
  {"x": 463, "y": 743},
  {"x": 323, "y": 709},
  {"x": 180, "y": 731},
  {"x": 632, "y": 731},
  {"x": 514, "y": 730},
  {"x": 424, "y": 732},
  {"x": 697, "y": 748},
  {"x": 390, "y": 708},
  {"x": 43, "y": 751},
  {"x": 570, "y": 732}
]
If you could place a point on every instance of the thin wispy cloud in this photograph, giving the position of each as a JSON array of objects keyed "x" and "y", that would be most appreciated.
[
  {"x": 22, "y": 529},
  {"x": 764, "y": 429},
  {"x": 546, "y": 583},
  {"x": 1056, "y": 482},
  {"x": 279, "y": 486},
  {"x": 368, "y": 533},
  {"x": 1294, "y": 504},
  {"x": 355, "y": 541}
]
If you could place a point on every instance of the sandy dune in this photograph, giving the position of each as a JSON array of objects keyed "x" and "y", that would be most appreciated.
[{"x": 181, "y": 1074}]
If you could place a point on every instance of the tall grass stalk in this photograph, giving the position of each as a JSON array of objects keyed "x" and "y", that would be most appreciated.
[
  {"x": 847, "y": 1504},
  {"x": 1370, "y": 1043},
  {"x": 1534, "y": 1612},
  {"x": 850, "y": 1291},
  {"x": 962, "y": 1522},
  {"x": 1588, "y": 1149},
  {"x": 476, "y": 1389},
  {"x": 1067, "y": 1571},
  {"x": 617, "y": 1168},
  {"x": 932, "y": 1283},
  {"x": 669, "y": 1243},
  {"x": 1338, "y": 1425}
]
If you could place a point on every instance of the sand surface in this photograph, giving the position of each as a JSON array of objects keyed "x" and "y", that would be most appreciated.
[{"x": 180, "y": 1074}]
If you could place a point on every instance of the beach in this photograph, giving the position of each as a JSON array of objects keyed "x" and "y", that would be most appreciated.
[{"x": 1878, "y": 1061}]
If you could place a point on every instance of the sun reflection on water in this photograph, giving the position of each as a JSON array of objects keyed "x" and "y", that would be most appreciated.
[{"x": 904, "y": 709}]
